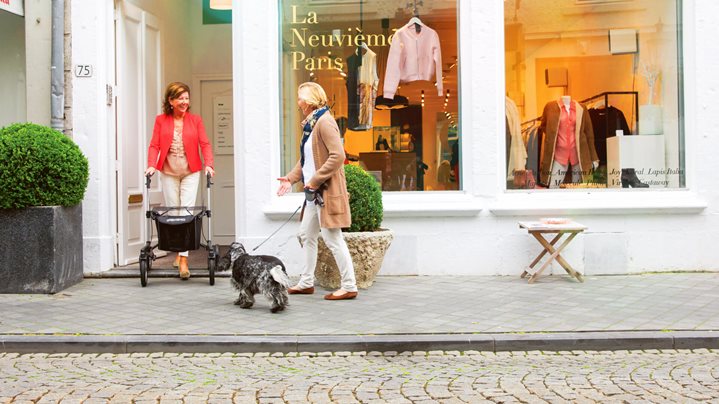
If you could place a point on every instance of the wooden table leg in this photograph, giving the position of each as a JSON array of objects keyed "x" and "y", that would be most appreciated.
[
  {"x": 544, "y": 266},
  {"x": 539, "y": 257},
  {"x": 564, "y": 262},
  {"x": 555, "y": 255}
]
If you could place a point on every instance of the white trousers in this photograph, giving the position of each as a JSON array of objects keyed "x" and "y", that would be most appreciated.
[
  {"x": 180, "y": 191},
  {"x": 559, "y": 171},
  {"x": 309, "y": 232}
]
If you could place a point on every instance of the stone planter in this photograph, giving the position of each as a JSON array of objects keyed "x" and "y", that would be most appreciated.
[
  {"x": 367, "y": 250},
  {"x": 40, "y": 249}
]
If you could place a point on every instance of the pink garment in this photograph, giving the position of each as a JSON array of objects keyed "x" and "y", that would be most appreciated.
[
  {"x": 413, "y": 56},
  {"x": 565, "y": 150}
]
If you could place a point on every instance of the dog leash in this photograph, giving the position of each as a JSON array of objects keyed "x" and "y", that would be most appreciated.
[{"x": 278, "y": 229}]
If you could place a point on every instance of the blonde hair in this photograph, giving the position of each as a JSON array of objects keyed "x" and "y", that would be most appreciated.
[
  {"x": 313, "y": 94},
  {"x": 172, "y": 92}
]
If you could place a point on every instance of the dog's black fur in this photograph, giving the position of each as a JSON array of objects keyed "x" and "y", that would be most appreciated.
[{"x": 252, "y": 274}]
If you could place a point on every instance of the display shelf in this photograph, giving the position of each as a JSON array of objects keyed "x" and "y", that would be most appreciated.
[{"x": 643, "y": 153}]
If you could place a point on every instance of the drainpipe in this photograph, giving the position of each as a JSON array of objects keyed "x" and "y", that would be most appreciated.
[{"x": 57, "y": 69}]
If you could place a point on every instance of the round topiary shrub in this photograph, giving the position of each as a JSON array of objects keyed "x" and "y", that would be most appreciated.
[
  {"x": 365, "y": 199},
  {"x": 40, "y": 166}
]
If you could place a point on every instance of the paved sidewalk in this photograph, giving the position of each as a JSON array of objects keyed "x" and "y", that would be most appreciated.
[{"x": 442, "y": 312}]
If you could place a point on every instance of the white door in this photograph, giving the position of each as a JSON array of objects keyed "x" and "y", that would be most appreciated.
[
  {"x": 139, "y": 83},
  {"x": 216, "y": 111}
]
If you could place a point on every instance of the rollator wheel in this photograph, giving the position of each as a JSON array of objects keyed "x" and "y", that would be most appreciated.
[
  {"x": 212, "y": 257},
  {"x": 144, "y": 267},
  {"x": 211, "y": 265}
]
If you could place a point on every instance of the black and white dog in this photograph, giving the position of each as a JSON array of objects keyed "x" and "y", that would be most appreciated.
[{"x": 252, "y": 274}]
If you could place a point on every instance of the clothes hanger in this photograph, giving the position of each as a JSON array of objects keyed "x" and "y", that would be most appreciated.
[
  {"x": 599, "y": 104},
  {"x": 366, "y": 48},
  {"x": 416, "y": 20},
  {"x": 418, "y": 24}
]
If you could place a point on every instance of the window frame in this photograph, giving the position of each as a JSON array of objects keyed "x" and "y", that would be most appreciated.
[{"x": 610, "y": 201}]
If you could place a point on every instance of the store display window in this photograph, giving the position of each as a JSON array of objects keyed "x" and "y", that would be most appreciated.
[
  {"x": 593, "y": 94},
  {"x": 390, "y": 69}
]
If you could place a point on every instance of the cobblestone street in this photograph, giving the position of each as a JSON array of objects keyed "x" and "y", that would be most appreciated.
[{"x": 343, "y": 377}]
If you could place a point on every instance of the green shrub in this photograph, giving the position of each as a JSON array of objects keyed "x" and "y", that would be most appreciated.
[
  {"x": 365, "y": 199},
  {"x": 40, "y": 166}
]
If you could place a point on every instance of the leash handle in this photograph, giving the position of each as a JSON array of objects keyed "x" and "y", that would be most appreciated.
[{"x": 278, "y": 229}]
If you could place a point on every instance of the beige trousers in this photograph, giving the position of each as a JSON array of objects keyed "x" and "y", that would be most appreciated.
[
  {"x": 180, "y": 191},
  {"x": 309, "y": 233}
]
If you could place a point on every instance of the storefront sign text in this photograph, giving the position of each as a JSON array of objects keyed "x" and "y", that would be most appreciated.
[{"x": 303, "y": 37}]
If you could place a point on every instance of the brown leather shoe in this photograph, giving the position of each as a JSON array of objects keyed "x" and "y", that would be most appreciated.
[
  {"x": 306, "y": 291},
  {"x": 184, "y": 269},
  {"x": 343, "y": 296}
]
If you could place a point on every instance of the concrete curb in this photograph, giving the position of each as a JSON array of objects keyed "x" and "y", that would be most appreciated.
[{"x": 583, "y": 341}]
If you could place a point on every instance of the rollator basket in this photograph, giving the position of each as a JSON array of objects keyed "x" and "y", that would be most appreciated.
[{"x": 177, "y": 231}]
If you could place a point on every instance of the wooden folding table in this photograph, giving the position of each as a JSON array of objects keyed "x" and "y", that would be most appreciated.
[{"x": 538, "y": 229}]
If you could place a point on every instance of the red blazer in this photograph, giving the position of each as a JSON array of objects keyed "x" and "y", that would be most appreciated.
[{"x": 193, "y": 135}]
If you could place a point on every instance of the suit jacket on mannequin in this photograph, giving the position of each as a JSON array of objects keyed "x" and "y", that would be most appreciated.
[{"x": 584, "y": 138}]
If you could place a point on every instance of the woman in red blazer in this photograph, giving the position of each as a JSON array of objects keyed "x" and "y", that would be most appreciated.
[{"x": 177, "y": 139}]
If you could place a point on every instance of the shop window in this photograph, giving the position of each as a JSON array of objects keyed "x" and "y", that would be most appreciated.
[
  {"x": 390, "y": 70},
  {"x": 593, "y": 94}
]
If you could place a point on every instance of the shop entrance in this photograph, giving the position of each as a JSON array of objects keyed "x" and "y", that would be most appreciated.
[{"x": 158, "y": 43}]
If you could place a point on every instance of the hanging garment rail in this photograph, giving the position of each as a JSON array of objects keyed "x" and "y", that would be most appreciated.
[{"x": 604, "y": 95}]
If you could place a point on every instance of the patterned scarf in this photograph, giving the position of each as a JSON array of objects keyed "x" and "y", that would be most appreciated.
[{"x": 307, "y": 130}]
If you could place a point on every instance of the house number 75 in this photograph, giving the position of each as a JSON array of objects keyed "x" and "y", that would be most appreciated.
[{"x": 83, "y": 70}]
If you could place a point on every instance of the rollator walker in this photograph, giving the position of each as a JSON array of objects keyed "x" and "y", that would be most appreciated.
[{"x": 179, "y": 228}]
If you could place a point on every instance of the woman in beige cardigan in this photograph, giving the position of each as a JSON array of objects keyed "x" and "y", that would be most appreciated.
[{"x": 321, "y": 167}]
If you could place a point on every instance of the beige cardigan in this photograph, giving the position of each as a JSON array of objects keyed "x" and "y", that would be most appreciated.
[{"x": 329, "y": 156}]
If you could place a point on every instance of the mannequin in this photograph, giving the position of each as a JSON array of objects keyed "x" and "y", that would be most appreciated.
[
  {"x": 568, "y": 143},
  {"x": 566, "y": 101}
]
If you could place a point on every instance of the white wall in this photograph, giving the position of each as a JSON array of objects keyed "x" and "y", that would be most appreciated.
[
  {"x": 94, "y": 123},
  {"x": 12, "y": 66},
  {"x": 700, "y": 64},
  {"x": 211, "y": 44},
  {"x": 443, "y": 234}
]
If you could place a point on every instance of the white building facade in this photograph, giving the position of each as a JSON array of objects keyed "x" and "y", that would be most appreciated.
[{"x": 458, "y": 223}]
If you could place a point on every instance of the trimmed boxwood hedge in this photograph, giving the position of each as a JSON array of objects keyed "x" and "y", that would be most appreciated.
[
  {"x": 40, "y": 166},
  {"x": 365, "y": 199}
]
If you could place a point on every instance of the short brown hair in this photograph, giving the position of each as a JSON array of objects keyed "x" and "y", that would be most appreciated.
[{"x": 173, "y": 91}]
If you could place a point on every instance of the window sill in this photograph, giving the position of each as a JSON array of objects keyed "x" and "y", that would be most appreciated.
[
  {"x": 397, "y": 204},
  {"x": 542, "y": 203},
  {"x": 597, "y": 203},
  {"x": 430, "y": 204}
]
